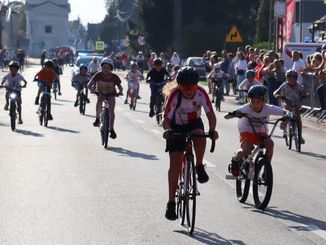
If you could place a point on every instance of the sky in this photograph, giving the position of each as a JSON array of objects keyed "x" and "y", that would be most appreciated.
[{"x": 92, "y": 11}]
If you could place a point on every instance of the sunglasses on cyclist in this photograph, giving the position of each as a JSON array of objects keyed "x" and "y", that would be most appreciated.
[{"x": 186, "y": 88}]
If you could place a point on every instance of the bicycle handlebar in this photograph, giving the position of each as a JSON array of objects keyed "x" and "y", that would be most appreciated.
[{"x": 193, "y": 136}]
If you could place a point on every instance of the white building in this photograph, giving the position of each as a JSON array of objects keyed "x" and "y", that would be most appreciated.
[{"x": 47, "y": 24}]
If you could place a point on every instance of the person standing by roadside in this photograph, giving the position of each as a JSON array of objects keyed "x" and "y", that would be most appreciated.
[
  {"x": 94, "y": 66},
  {"x": 225, "y": 68},
  {"x": 298, "y": 64},
  {"x": 241, "y": 68},
  {"x": 175, "y": 59},
  {"x": 43, "y": 56}
]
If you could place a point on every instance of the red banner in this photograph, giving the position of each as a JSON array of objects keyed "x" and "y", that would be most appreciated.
[{"x": 290, "y": 8}]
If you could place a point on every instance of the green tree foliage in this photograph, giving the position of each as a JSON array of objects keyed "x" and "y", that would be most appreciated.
[{"x": 262, "y": 20}]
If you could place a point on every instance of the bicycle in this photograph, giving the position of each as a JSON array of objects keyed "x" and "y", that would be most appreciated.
[
  {"x": 259, "y": 171},
  {"x": 14, "y": 95},
  {"x": 133, "y": 93},
  {"x": 292, "y": 131},
  {"x": 243, "y": 95},
  {"x": 45, "y": 105},
  {"x": 158, "y": 106},
  {"x": 218, "y": 93},
  {"x": 83, "y": 99},
  {"x": 105, "y": 119},
  {"x": 187, "y": 190},
  {"x": 55, "y": 88}
]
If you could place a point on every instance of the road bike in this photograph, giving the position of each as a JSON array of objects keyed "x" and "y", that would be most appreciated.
[
  {"x": 187, "y": 190},
  {"x": 292, "y": 131},
  {"x": 256, "y": 167},
  {"x": 45, "y": 105},
  {"x": 159, "y": 101},
  {"x": 218, "y": 93},
  {"x": 133, "y": 93},
  {"x": 14, "y": 95}
]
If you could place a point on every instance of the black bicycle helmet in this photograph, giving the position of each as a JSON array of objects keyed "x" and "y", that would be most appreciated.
[
  {"x": 291, "y": 73},
  {"x": 14, "y": 64},
  {"x": 257, "y": 92},
  {"x": 187, "y": 76},
  {"x": 48, "y": 63},
  {"x": 158, "y": 61},
  {"x": 83, "y": 65}
]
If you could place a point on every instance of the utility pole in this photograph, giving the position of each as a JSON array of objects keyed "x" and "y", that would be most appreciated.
[
  {"x": 270, "y": 38},
  {"x": 177, "y": 24}
]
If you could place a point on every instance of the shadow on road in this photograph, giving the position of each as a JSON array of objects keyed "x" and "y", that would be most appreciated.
[
  {"x": 209, "y": 237},
  {"x": 62, "y": 100},
  {"x": 87, "y": 115},
  {"x": 3, "y": 124},
  {"x": 313, "y": 154},
  {"x": 303, "y": 221},
  {"x": 64, "y": 130},
  {"x": 125, "y": 152},
  {"x": 28, "y": 133},
  {"x": 54, "y": 103}
]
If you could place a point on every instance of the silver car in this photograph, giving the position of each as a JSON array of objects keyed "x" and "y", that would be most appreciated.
[{"x": 198, "y": 64}]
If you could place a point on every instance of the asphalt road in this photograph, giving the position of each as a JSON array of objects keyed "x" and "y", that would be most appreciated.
[{"x": 58, "y": 185}]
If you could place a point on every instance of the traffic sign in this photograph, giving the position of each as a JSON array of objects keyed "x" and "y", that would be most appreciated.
[
  {"x": 99, "y": 45},
  {"x": 234, "y": 36}
]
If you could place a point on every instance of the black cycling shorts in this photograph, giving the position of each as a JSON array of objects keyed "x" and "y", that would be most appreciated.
[{"x": 179, "y": 144}]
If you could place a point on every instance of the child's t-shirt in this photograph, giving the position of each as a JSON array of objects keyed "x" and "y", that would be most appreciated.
[
  {"x": 134, "y": 76},
  {"x": 244, "y": 124},
  {"x": 13, "y": 82},
  {"x": 292, "y": 94}
]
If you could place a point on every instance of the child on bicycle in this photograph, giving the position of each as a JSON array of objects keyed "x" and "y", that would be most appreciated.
[
  {"x": 58, "y": 71},
  {"x": 182, "y": 115},
  {"x": 133, "y": 76},
  {"x": 257, "y": 108},
  {"x": 216, "y": 76},
  {"x": 12, "y": 82},
  {"x": 80, "y": 80},
  {"x": 291, "y": 92},
  {"x": 249, "y": 81}
]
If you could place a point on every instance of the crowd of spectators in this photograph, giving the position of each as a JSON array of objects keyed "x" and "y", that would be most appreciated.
[{"x": 8, "y": 55}]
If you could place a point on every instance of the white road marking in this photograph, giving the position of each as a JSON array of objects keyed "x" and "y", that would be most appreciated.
[{"x": 209, "y": 164}]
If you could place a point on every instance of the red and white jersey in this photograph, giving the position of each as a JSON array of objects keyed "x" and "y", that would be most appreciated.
[{"x": 189, "y": 109}]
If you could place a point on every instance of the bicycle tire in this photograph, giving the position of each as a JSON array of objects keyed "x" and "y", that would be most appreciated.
[
  {"x": 41, "y": 113},
  {"x": 181, "y": 211},
  {"x": 82, "y": 104},
  {"x": 46, "y": 109},
  {"x": 106, "y": 128},
  {"x": 243, "y": 184},
  {"x": 297, "y": 137},
  {"x": 158, "y": 109},
  {"x": 12, "y": 115},
  {"x": 263, "y": 177},
  {"x": 290, "y": 135},
  {"x": 191, "y": 194},
  {"x": 55, "y": 95},
  {"x": 134, "y": 105}
]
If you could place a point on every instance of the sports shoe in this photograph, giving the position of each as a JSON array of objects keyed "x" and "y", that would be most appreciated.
[
  {"x": 36, "y": 100},
  {"x": 170, "y": 213},
  {"x": 96, "y": 123},
  {"x": 202, "y": 176},
  {"x": 151, "y": 113},
  {"x": 76, "y": 104},
  {"x": 234, "y": 168},
  {"x": 6, "y": 107},
  {"x": 50, "y": 118},
  {"x": 59, "y": 93},
  {"x": 20, "y": 121},
  {"x": 113, "y": 135}
]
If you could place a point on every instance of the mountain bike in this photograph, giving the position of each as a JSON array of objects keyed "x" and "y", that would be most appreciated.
[
  {"x": 133, "y": 93},
  {"x": 45, "y": 105},
  {"x": 14, "y": 95},
  {"x": 218, "y": 93},
  {"x": 187, "y": 190},
  {"x": 256, "y": 167},
  {"x": 292, "y": 131},
  {"x": 158, "y": 106}
]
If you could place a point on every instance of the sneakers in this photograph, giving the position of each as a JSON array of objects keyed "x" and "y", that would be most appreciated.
[
  {"x": 6, "y": 107},
  {"x": 20, "y": 121},
  {"x": 50, "y": 118},
  {"x": 151, "y": 113},
  {"x": 234, "y": 168},
  {"x": 96, "y": 123},
  {"x": 170, "y": 213},
  {"x": 59, "y": 94},
  {"x": 202, "y": 176},
  {"x": 113, "y": 135},
  {"x": 36, "y": 101},
  {"x": 76, "y": 104}
]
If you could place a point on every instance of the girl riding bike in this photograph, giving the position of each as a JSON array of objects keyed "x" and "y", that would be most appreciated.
[
  {"x": 133, "y": 76},
  {"x": 182, "y": 115}
]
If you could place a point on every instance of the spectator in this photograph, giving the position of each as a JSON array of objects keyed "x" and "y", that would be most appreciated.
[
  {"x": 298, "y": 64},
  {"x": 241, "y": 67},
  {"x": 150, "y": 62},
  {"x": 175, "y": 59},
  {"x": 43, "y": 56},
  {"x": 225, "y": 63}
]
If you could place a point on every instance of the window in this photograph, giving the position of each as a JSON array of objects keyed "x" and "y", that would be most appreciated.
[{"x": 48, "y": 29}]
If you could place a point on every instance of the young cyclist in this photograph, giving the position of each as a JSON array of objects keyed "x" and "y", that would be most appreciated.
[
  {"x": 291, "y": 92},
  {"x": 46, "y": 76},
  {"x": 105, "y": 82},
  {"x": 12, "y": 82},
  {"x": 133, "y": 76},
  {"x": 258, "y": 108},
  {"x": 80, "y": 80},
  {"x": 216, "y": 76},
  {"x": 156, "y": 76},
  {"x": 183, "y": 114},
  {"x": 249, "y": 81},
  {"x": 58, "y": 71}
]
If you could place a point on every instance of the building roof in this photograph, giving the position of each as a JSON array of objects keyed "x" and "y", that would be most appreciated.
[{"x": 30, "y": 6}]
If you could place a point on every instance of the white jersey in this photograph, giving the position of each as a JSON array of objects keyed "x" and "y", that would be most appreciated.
[
  {"x": 189, "y": 109},
  {"x": 134, "y": 76},
  {"x": 245, "y": 85},
  {"x": 298, "y": 66},
  {"x": 244, "y": 125},
  {"x": 94, "y": 67},
  {"x": 13, "y": 82}
]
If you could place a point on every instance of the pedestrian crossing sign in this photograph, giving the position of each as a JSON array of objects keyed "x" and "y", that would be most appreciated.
[
  {"x": 99, "y": 45},
  {"x": 234, "y": 36}
]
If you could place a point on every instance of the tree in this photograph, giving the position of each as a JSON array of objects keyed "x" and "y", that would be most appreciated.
[{"x": 262, "y": 22}]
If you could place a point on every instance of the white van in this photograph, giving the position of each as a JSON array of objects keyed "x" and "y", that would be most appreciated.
[{"x": 305, "y": 48}]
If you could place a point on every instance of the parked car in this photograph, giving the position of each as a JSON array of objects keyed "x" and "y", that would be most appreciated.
[
  {"x": 197, "y": 63},
  {"x": 84, "y": 59}
]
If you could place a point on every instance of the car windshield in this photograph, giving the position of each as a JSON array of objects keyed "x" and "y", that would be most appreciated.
[
  {"x": 86, "y": 60},
  {"x": 196, "y": 62}
]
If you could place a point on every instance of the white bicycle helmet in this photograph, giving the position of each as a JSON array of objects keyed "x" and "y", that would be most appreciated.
[{"x": 107, "y": 61}]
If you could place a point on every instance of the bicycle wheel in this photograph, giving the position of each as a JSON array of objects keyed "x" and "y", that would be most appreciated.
[
  {"x": 289, "y": 134},
  {"x": 180, "y": 194},
  {"x": 263, "y": 183},
  {"x": 12, "y": 114},
  {"x": 105, "y": 129},
  {"x": 82, "y": 103},
  {"x": 191, "y": 193},
  {"x": 41, "y": 112},
  {"x": 134, "y": 104},
  {"x": 46, "y": 110},
  {"x": 158, "y": 110},
  {"x": 297, "y": 136},
  {"x": 242, "y": 183}
]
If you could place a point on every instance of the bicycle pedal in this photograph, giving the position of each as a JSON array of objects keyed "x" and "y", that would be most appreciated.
[{"x": 230, "y": 177}]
